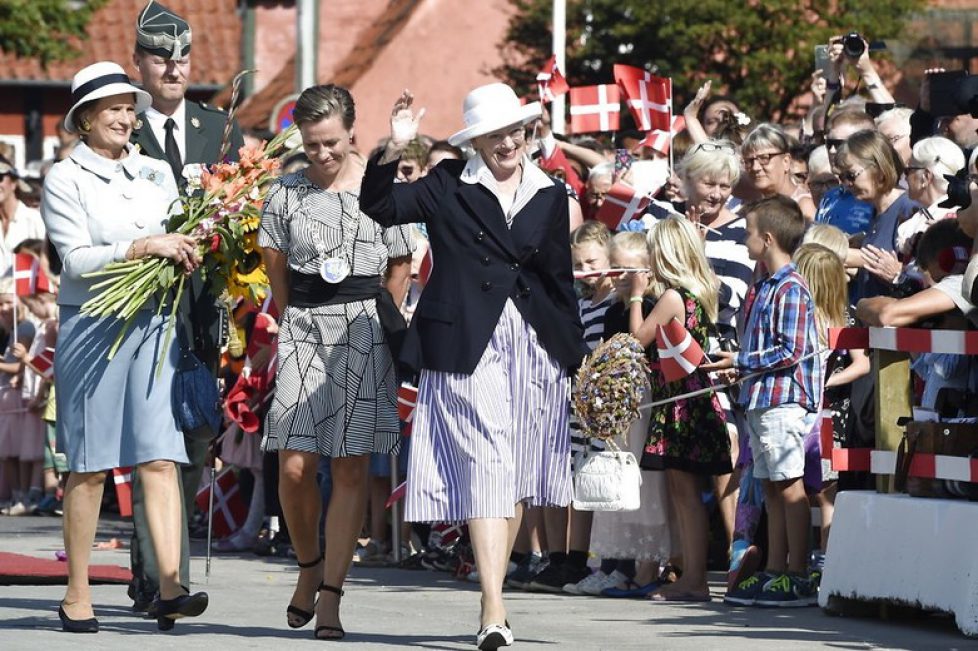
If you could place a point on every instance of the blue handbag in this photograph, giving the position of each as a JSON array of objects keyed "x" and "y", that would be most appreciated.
[{"x": 194, "y": 396}]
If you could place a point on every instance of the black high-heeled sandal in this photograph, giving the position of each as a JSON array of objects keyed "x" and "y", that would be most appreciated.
[
  {"x": 70, "y": 625},
  {"x": 337, "y": 629},
  {"x": 186, "y": 605},
  {"x": 304, "y": 615}
]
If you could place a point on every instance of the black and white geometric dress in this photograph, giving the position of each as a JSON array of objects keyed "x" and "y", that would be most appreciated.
[{"x": 336, "y": 392}]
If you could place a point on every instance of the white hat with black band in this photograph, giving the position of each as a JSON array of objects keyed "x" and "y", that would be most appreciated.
[{"x": 102, "y": 79}]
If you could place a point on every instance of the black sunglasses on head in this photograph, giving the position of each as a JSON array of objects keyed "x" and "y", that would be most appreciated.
[{"x": 834, "y": 143}]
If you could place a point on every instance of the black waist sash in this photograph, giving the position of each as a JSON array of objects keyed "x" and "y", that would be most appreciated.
[{"x": 310, "y": 290}]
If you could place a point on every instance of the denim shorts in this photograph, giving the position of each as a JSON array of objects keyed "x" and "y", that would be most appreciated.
[{"x": 777, "y": 440}]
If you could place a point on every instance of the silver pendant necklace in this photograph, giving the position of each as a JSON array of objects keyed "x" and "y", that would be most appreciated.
[{"x": 334, "y": 269}]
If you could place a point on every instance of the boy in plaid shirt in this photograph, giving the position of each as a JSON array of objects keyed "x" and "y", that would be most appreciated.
[{"x": 781, "y": 403}]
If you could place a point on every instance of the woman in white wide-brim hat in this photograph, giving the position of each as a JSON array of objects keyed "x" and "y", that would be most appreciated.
[
  {"x": 494, "y": 333},
  {"x": 108, "y": 203}
]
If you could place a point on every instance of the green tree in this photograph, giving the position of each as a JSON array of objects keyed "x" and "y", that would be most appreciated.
[
  {"x": 761, "y": 52},
  {"x": 44, "y": 29}
]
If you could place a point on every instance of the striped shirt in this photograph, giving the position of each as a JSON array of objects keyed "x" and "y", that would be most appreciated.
[
  {"x": 592, "y": 316},
  {"x": 780, "y": 330},
  {"x": 727, "y": 253}
]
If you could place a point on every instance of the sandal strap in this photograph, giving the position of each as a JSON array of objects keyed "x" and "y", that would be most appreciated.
[
  {"x": 311, "y": 563},
  {"x": 331, "y": 588}
]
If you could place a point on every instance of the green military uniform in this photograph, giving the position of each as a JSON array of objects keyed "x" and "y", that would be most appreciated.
[{"x": 161, "y": 32}]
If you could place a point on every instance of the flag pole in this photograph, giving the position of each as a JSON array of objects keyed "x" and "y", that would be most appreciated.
[
  {"x": 210, "y": 522},
  {"x": 13, "y": 275},
  {"x": 559, "y": 46},
  {"x": 671, "y": 157}
]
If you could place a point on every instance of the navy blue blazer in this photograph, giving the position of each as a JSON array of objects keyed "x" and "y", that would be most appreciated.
[{"x": 479, "y": 263}]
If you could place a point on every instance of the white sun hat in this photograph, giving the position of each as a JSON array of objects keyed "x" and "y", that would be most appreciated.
[
  {"x": 490, "y": 108},
  {"x": 102, "y": 79}
]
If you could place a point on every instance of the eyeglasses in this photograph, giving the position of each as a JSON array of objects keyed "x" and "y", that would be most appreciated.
[
  {"x": 907, "y": 170},
  {"x": 763, "y": 159},
  {"x": 897, "y": 138},
  {"x": 850, "y": 176},
  {"x": 518, "y": 134},
  {"x": 834, "y": 143},
  {"x": 823, "y": 183},
  {"x": 714, "y": 146}
]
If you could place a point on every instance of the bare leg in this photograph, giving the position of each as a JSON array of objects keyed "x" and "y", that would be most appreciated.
[
  {"x": 303, "y": 509},
  {"x": 798, "y": 524},
  {"x": 580, "y": 530},
  {"x": 492, "y": 542},
  {"x": 777, "y": 539},
  {"x": 82, "y": 502},
  {"x": 536, "y": 530},
  {"x": 163, "y": 516},
  {"x": 727, "y": 489},
  {"x": 555, "y": 525},
  {"x": 344, "y": 517},
  {"x": 380, "y": 489},
  {"x": 694, "y": 529},
  {"x": 826, "y": 504}
]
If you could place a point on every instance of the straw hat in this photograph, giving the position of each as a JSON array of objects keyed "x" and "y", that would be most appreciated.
[
  {"x": 490, "y": 108},
  {"x": 102, "y": 79}
]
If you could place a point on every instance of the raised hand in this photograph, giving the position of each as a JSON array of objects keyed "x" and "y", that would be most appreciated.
[
  {"x": 404, "y": 121},
  {"x": 693, "y": 108}
]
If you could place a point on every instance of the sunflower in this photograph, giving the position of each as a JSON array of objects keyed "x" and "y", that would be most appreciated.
[{"x": 249, "y": 223}]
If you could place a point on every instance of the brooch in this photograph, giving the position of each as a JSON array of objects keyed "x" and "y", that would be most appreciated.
[
  {"x": 151, "y": 175},
  {"x": 194, "y": 122},
  {"x": 138, "y": 125}
]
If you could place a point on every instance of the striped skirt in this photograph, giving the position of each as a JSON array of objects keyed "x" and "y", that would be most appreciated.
[{"x": 482, "y": 443}]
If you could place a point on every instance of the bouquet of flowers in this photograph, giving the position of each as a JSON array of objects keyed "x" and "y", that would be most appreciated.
[
  {"x": 222, "y": 214},
  {"x": 610, "y": 385}
]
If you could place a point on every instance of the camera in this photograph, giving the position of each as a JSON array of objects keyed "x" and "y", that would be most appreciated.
[
  {"x": 853, "y": 45},
  {"x": 958, "y": 190}
]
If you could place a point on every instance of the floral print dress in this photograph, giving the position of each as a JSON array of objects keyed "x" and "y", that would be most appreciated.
[{"x": 689, "y": 434}]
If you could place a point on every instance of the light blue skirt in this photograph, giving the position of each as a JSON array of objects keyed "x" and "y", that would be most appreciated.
[{"x": 117, "y": 413}]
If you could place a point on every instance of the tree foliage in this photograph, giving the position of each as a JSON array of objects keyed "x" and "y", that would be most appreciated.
[
  {"x": 43, "y": 29},
  {"x": 761, "y": 52}
]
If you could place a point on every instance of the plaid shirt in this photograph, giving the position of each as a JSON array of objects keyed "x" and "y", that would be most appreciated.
[{"x": 780, "y": 330}]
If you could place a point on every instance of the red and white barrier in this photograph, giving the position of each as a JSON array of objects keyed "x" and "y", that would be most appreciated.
[{"x": 907, "y": 340}]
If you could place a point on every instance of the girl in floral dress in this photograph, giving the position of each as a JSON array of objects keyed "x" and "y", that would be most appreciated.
[{"x": 687, "y": 438}]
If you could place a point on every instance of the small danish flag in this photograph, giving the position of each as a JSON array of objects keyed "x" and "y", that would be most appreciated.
[
  {"x": 595, "y": 108},
  {"x": 28, "y": 277},
  {"x": 407, "y": 400},
  {"x": 425, "y": 268},
  {"x": 551, "y": 82},
  {"x": 648, "y": 97},
  {"x": 621, "y": 206},
  {"x": 679, "y": 353},
  {"x": 43, "y": 363},
  {"x": 660, "y": 140},
  {"x": 396, "y": 494}
]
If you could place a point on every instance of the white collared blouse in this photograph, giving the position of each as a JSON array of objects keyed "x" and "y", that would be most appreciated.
[
  {"x": 534, "y": 179},
  {"x": 94, "y": 208}
]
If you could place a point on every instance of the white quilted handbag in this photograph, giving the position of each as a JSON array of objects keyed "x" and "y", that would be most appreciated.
[{"x": 608, "y": 480}]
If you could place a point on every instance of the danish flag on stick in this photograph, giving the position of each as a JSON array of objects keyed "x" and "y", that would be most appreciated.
[
  {"x": 621, "y": 206},
  {"x": 679, "y": 353},
  {"x": 407, "y": 399},
  {"x": 43, "y": 363},
  {"x": 595, "y": 108},
  {"x": 648, "y": 97},
  {"x": 551, "y": 82},
  {"x": 28, "y": 277},
  {"x": 660, "y": 140}
]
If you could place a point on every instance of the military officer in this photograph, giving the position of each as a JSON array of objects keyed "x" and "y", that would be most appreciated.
[{"x": 185, "y": 134}]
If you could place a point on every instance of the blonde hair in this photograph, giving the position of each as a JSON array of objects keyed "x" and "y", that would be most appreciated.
[
  {"x": 678, "y": 259},
  {"x": 630, "y": 242},
  {"x": 827, "y": 281},
  {"x": 829, "y": 236},
  {"x": 591, "y": 232}
]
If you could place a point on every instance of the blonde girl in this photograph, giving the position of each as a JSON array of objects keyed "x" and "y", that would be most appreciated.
[
  {"x": 823, "y": 270},
  {"x": 687, "y": 437}
]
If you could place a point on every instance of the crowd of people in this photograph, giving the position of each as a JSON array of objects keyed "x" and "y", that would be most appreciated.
[{"x": 450, "y": 264}]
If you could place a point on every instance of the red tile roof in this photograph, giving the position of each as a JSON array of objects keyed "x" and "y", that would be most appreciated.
[
  {"x": 111, "y": 36},
  {"x": 257, "y": 109}
]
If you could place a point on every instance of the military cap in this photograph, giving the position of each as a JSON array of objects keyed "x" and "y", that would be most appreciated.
[{"x": 162, "y": 32}]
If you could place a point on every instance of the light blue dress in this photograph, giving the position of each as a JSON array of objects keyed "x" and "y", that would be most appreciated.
[{"x": 110, "y": 413}]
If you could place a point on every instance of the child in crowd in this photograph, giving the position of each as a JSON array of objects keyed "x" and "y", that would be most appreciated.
[
  {"x": 825, "y": 274},
  {"x": 625, "y": 538},
  {"x": 782, "y": 400},
  {"x": 687, "y": 437}
]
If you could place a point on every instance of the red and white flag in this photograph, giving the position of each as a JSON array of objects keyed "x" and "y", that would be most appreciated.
[
  {"x": 122, "y": 478},
  {"x": 425, "y": 268},
  {"x": 230, "y": 510},
  {"x": 679, "y": 353},
  {"x": 407, "y": 400},
  {"x": 43, "y": 363},
  {"x": 648, "y": 97},
  {"x": 396, "y": 494},
  {"x": 29, "y": 279},
  {"x": 551, "y": 82},
  {"x": 595, "y": 108},
  {"x": 622, "y": 205},
  {"x": 660, "y": 140}
]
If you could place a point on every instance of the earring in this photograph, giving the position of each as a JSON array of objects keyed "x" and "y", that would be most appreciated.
[{"x": 86, "y": 126}]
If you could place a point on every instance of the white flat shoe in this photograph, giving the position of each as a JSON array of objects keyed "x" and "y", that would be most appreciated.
[{"x": 493, "y": 637}]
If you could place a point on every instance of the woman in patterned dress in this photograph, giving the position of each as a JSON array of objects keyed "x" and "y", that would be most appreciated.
[
  {"x": 336, "y": 393},
  {"x": 493, "y": 336},
  {"x": 687, "y": 438}
]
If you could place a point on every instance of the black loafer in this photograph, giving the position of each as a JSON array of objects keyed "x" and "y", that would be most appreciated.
[
  {"x": 187, "y": 605},
  {"x": 70, "y": 625}
]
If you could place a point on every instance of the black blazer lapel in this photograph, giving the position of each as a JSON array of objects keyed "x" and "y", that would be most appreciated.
[
  {"x": 533, "y": 220},
  {"x": 484, "y": 207},
  {"x": 143, "y": 136},
  {"x": 197, "y": 135}
]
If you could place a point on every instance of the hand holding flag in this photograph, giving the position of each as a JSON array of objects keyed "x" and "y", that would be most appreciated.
[
  {"x": 622, "y": 204},
  {"x": 550, "y": 82}
]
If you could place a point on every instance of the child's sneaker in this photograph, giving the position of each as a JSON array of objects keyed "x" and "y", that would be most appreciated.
[
  {"x": 532, "y": 565},
  {"x": 787, "y": 591},
  {"x": 747, "y": 591},
  {"x": 745, "y": 560}
]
